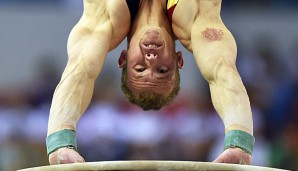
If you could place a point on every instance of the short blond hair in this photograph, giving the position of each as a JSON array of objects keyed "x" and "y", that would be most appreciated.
[{"x": 148, "y": 100}]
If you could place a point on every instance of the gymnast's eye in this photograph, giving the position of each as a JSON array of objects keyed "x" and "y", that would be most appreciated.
[
  {"x": 140, "y": 69},
  {"x": 162, "y": 70}
]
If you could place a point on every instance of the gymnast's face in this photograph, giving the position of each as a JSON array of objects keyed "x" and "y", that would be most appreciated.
[{"x": 151, "y": 62}]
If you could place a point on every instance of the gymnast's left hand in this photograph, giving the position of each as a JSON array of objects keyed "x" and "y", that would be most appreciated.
[
  {"x": 65, "y": 155},
  {"x": 234, "y": 156}
]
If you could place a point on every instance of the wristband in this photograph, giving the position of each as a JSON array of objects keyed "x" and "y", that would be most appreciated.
[
  {"x": 239, "y": 139},
  {"x": 63, "y": 138}
]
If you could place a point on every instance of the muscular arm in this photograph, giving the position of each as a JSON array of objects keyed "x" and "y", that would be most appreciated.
[
  {"x": 215, "y": 52},
  {"x": 88, "y": 44},
  {"x": 202, "y": 32},
  {"x": 87, "y": 49}
]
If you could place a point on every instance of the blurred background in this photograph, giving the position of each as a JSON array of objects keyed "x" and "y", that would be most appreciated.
[{"x": 33, "y": 36}]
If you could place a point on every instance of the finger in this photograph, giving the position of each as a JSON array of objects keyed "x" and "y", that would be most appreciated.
[
  {"x": 79, "y": 159},
  {"x": 53, "y": 160},
  {"x": 218, "y": 160},
  {"x": 245, "y": 161},
  {"x": 64, "y": 158}
]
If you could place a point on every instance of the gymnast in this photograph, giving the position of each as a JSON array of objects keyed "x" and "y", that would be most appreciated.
[{"x": 150, "y": 67}]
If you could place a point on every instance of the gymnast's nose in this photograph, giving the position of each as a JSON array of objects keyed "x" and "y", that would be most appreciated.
[{"x": 150, "y": 57}]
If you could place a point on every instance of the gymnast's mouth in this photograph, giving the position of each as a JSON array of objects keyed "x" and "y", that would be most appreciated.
[
  {"x": 152, "y": 39},
  {"x": 151, "y": 45}
]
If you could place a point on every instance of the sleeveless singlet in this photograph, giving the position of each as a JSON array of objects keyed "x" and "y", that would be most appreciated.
[
  {"x": 171, "y": 5},
  {"x": 133, "y": 6}
]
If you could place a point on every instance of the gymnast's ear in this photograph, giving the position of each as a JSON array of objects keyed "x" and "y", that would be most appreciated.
[
  {"x": 180, "y": 61},
  {"x": 122, "y": 59}
]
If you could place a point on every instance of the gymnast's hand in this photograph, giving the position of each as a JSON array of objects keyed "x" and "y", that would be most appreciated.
[
  {"x": 234, "y": 156},
  {"x": 64, "y": 156}
]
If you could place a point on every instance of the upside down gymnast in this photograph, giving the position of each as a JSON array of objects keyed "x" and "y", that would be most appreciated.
[{"x": 150, "y": 67}]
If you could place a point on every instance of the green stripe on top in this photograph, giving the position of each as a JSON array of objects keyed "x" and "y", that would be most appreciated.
[
  {"x": 59, "y": 139},
  {"x": 239, "y": 139}
]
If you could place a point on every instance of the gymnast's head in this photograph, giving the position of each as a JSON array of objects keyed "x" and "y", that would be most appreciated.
[{"x": 150, "y": 69}]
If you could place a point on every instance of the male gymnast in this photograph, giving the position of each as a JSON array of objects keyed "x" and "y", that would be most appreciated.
[{"x": 150, "y": 67}]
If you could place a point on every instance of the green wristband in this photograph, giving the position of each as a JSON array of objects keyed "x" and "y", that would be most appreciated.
[
  {"x": 239, "y": 139},
  {"x": 63, "y": 138}
]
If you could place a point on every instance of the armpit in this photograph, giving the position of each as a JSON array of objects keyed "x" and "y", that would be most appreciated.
[{"x": 212, "y": 34}]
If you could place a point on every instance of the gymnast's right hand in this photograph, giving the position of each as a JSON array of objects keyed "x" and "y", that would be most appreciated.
[{"x": 65, "y": 155}]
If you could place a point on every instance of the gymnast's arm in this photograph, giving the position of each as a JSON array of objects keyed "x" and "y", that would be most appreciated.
[
  {"x": 215, "y": 52},
  {"x": 88, "y": 44}
]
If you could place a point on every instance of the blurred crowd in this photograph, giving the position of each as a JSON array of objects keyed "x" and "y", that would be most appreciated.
[{"x": 188, "y": 129}]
